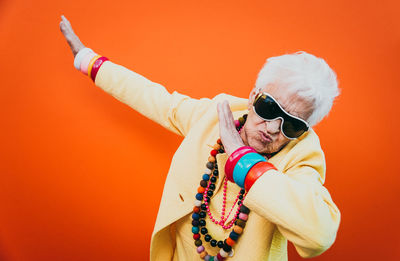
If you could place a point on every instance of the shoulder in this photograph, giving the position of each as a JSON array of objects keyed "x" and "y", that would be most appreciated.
[{"x": 303, "y": 152}]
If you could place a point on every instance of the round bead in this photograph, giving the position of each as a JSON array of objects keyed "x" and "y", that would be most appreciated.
[
  {"x": 223, "y": 253},
  {"x": 196, "y": 209},
  {"x": 216, "y": 147},
  {"x": 211, "y": 258},
  {"x": 211, "y": 159},
  {"x": 240, "y": 223},
  {"x": 219, "y": 141},
  {"x": 202, "y": 222},
  {"x": 212, "y": 186},
  {"x": 210, "y": 193},
  {"x": 203, "y": 183},
  {"x": 197, "y": 203},
  {"x": 221, "y": 151},
  {"x": 214, "y": 153},
  {"x": 204, "y": 230},
  {"x": 203, "y": 254},
  {"x": 237, "y": 229},
  {"x": 220, "y": 244},
  {"x": 207, "y": 258},
  {"x": 242, "y": 191},
  {"x": 195, "y": 216},
  {"x": 203, "y": 206},
  {"x": 206, "y": 177},
  {"x": 195, "y": 230},
  {"x": 220, "y": 258},
  {"x": 196, "y": 236},
  {"x": 213, "y": 242},
  {"x": 227, "y": 248},
  {"x": 243, "y": 216},
  {"x": 198, "y": 242},
  {"x": 202, "y": 214},
  {"x": 199, "y": 196},
  {"x": 234, "y": 236},
  {"x": 230, "y": 241},
  {"x": 213, "y": 179},
  {"x": 207, "y": 238},
  {"x": 201, "y": 190},
  {"x": 200, "y": 249},
  {"x": 207, "y": 171},
  {"x": 216, "y": 172},
  {"x": 241, "y": 120},
  {"x": 210, "y": 165},
  {"x": 195, "y": 223},
  {"x": 244, "y": 209}
]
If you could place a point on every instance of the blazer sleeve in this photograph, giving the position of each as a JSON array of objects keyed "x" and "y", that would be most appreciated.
[
  {"x": 174, "y": 111},
  {"x": 298, "y": 203}
]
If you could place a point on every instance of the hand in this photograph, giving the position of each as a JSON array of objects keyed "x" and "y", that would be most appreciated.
[
  {"x": 230, "y": 137},
  {"x": 72, "y": 39}
]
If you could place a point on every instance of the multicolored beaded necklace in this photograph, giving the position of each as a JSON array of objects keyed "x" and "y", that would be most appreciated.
[{"x": 201, "y": 208}]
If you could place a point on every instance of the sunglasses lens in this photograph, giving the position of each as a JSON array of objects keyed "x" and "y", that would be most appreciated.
[
  {"x": 268, "y": 109},
  {"x": 293, "y": 128}
]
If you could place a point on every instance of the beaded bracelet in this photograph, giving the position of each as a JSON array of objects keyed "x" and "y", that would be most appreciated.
[
  {"x": 234, "y": 158},
  {"x": 257, "y": 171},
  {"x": 243, "y": 166}
]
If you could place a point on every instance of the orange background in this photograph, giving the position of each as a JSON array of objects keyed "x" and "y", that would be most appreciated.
[{"x": 73, "y": 158}]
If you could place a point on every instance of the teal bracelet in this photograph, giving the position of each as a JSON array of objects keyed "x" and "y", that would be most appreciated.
[{"x": 243, "y": 166}]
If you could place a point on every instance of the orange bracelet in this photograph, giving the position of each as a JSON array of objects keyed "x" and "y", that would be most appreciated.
[
  {"x": 91, "y": 64},
  {"x": 255, "y": 172}
]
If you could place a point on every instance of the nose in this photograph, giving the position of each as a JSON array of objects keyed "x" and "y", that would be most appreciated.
[{"x": 273, "y": 127}]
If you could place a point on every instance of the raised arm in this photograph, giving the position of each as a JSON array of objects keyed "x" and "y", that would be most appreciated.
[{"x": 174, "y": 111}]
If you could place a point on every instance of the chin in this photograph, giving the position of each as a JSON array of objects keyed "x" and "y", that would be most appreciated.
[{"x": 262, "y": 148}]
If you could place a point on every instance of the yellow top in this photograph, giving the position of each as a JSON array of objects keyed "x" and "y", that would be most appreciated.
[{"x": 288, "y": 204}]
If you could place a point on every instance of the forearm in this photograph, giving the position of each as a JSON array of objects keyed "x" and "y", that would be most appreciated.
[{"x": 303, "y": 212}]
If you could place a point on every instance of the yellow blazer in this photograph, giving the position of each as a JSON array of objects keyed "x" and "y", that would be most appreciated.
[{"x": 288, "y": 204}]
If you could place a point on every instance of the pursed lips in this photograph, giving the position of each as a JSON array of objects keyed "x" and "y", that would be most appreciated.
[{"x": 265, "y": 137}]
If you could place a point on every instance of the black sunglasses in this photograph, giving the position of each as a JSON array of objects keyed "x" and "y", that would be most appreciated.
[{"x": 267, "y": 108}]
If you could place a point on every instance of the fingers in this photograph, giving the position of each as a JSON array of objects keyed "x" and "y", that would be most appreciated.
[
  {"x": 225, "y": 114},
  {"x": 72, "y": 39}
]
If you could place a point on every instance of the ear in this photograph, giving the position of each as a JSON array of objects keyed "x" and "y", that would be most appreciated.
[{"x": 252, "y": 95}]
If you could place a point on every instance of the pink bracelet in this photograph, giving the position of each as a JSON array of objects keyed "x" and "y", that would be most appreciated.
[
  {"x": 96, "y": 66},
  {"x": 85, "y": 62},
  {"x": 234, "y": 158}
]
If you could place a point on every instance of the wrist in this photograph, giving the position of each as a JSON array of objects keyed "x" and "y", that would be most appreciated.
[
  {"x": 234, "y": 158},
  {"x": 255, "y": 172},
  {"x": 244, "y": 164}
]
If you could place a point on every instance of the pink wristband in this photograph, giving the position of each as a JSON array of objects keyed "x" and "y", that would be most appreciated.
[
  {"x": 96, "y": 66},
  {"x": 234, "y": 158},
  {"x": 85, "y": 62}
]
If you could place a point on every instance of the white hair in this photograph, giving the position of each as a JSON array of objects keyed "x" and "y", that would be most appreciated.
[{"x": 309, "y": 76}]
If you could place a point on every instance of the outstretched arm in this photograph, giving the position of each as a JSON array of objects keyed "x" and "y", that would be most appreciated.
[{"x": 174, "y": 111}]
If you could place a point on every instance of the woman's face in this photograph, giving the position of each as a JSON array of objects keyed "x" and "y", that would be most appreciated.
[{"x": 266, "y": 136}]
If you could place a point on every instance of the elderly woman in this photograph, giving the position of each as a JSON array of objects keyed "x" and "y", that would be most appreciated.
[{"x": 249, "y": 173}]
